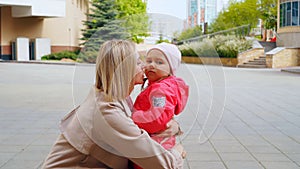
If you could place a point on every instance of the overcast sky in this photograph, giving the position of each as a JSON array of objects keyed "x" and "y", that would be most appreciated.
[{"x": 175, "y": 8}]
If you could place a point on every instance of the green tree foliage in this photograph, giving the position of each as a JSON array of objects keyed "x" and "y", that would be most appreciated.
[
  {"x": 268, "y": 11},
  {"x": 130, "y": 7},
  {"x": 237, "y": 14},
  {"x": 190, "y": 33},
  {"x": 122, "y": 18},
  {"x": 112, "y": 19},
  {"x": 134, "y": 15},
  {"x": 102, "y": 24},
  {"x": 161, "y": 39}
]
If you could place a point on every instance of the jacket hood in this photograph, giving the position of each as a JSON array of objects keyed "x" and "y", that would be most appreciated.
[{"x": 182, "y": 93}]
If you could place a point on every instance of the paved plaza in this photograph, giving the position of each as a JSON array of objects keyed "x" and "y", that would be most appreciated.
[{"x": 235, "y": 118}]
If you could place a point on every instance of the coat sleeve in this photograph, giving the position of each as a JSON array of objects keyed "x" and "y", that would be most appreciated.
[
  {"x": 134, "y": 143},
  {"x": 162, "y": 101}
]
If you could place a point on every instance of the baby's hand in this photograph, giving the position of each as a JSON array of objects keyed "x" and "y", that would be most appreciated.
[{"x": 172, "y": 130}]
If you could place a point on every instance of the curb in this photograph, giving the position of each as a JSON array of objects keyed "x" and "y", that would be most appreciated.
[
  {"x": 295, "y": 70},
  {"x": 47, "y": 62}
]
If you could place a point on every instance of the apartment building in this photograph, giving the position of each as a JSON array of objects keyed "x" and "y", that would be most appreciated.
[
  {"x": 287, "y": 53},
  {"x": 31, "y": 28},
  {"x": 288, "y": 23},
  {"x": 204, "y": 11}
]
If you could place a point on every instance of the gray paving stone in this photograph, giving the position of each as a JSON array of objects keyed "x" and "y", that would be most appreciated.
[
  {"x": 269, "y": 157},
  {"x": 236, "y": 156},
  {"x": 230, "y": 149},
  {"x": 280, "y": 165},
  {"x": 259, "y": 127},
  {"x": 11, "y": 148},
  {"x": 207, "y": 156},
  {"x": 262, "y": 149},
  {"x": 206, "y": 165},
  {"x": 5, "y": 157},
  {"x": 194, "y": 147},
  {"x": 295, "y": 157},
  {"x": 243, "y": 165}
]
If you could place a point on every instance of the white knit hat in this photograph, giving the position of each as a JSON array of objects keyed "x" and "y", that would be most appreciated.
[{"x": 172, "y": 54}]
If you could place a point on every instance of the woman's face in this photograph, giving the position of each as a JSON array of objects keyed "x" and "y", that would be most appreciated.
[{"x": 139, "y": 74}]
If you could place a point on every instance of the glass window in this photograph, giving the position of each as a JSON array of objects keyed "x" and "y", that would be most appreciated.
[
  {"x": 281, "y": 15},
  {"x": 295, "y": 14},
  {"x": 288, "y": 14},
  {"x": 298, "y": 12}
]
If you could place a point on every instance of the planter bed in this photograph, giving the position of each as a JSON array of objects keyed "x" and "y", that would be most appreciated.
[{"x": 231, "y": 62}]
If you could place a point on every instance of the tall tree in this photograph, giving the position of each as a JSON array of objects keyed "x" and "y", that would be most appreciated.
[
  {"x": 190, "y": 33},
  {"x": 102, "y": 23},
  {"x": 134, "y": 16},
  {"x": 237, "y": 14},
  {"x": 268, "y": 10}
]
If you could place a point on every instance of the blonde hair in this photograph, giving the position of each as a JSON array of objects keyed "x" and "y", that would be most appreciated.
[{"x": 115, "y": 68}]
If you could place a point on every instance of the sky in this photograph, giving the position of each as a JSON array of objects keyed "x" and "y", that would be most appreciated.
[{"x": 175, "y": 8}]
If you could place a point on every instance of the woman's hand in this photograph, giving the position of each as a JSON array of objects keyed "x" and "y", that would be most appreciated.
[
  {"x": 172, "y": 129},
  {"x": 181, "y": 150}
]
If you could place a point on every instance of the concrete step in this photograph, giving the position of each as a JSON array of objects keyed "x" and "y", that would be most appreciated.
[
  {"x": 256, "y": 62},
  {"x": 252, "y": 66},
  {"x": 260, "y": 59}
]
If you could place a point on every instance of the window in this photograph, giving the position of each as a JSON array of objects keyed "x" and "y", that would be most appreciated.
[
  {"x": 284, "y": 15},
  {"x": 289, "y": 14},
  {"x": 281, "y": 15},
  {"x": 295, "y": 13},
  {"x": 298, "y": 12}
]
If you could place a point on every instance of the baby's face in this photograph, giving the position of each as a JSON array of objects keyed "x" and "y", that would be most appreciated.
[{"x": 156, "y": 66}]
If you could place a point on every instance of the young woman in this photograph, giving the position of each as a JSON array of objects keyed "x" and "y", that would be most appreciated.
[{"x": 100, "y": 133}]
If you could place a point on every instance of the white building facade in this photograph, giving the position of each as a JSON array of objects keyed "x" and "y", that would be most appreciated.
[{"x": 54, "y": 23}]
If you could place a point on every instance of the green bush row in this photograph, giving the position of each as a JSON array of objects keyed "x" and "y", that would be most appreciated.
[
  {"x": 219, "y": 46},
  {"x": 60, "y": 55}
]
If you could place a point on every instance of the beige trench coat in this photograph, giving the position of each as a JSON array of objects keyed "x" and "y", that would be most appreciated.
[{"x": 100, "y": 134}]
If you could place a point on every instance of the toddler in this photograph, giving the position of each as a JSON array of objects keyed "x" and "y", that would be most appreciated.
[{"x": 165, "y": 96}]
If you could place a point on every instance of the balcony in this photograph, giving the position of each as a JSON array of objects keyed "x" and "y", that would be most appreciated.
[{"x": 36, "y": 8}]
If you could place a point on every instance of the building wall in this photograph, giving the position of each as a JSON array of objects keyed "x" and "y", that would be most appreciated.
[
  {"x": 288, "y": 57},
  {"x": 193, "y": 13},
  {"x": 29, "y": 8},
  {"x": 211, "y": 11},
  {"x": 11, "y": 28},
  {"x": 288, "y": 23},
  {"x": 288, "y": 37},
  {"x": 64, "y": 32},
  {"x": 67, "y": 31}
]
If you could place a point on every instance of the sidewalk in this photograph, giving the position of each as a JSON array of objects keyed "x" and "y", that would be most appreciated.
[
  {"x": 235, "y": 118},
  {"x": 295, "y": 69}
]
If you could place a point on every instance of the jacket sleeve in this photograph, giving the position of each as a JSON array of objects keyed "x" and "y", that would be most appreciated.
[
  {"x": 134, "y": 143},
  {"x": 162, "y": 101}
]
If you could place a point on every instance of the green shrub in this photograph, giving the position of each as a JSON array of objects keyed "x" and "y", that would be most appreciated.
[
  {"x": 162, "y": 40},
  {"x": 228, "y": 50},
  {"x": 88, "y": 56},
  {"x": 186, "y": 51},
  {"x": 60, "y": 55},
  {"x": 219, "y": 46}
]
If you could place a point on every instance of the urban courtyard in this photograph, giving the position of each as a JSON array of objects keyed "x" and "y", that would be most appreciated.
[{"x": 236, "y": 118}]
